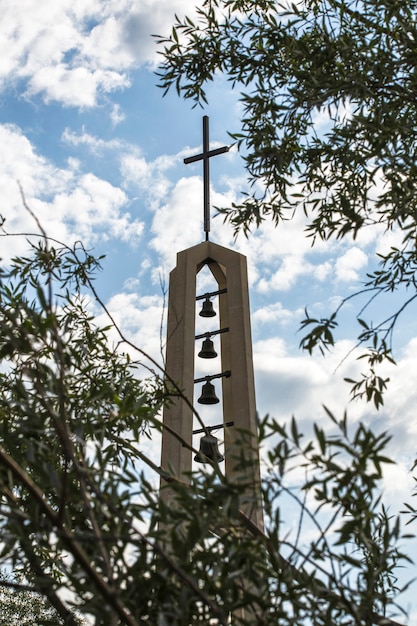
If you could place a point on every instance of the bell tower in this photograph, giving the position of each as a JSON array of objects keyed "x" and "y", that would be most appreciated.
[{"x": 231, "y": 372}]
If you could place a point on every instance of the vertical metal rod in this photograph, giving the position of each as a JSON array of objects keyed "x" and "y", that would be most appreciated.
[{"x": 206, "y": 175}]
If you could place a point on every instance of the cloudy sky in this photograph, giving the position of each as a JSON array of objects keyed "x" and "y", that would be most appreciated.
[{"x": 99, "y": 154}]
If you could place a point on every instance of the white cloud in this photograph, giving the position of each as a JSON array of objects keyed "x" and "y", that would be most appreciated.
[
  {"x": 348, "y": 264},
  {"x": 290, "y": 385},
  {"x": 284, "y": 278},
  {"x": 72, "y": 51},
  {"x": 95, "y": 144},
  {"x": 137, "y": 173},
  {"x": 283, "y": 254},
  {"x": 148, "y": 176},
  {"x": 94, "y": 206},
  {"x": 78, "y": 87},
  {"x": 272, "y": 313},
  {"x": 117, "y": 116},
  {"x": 298, "y": 384},
  {"x": 140, "y": 319},
  {"x": 70, "y": 204},
  {"x": 177, "y": 224},
  {"x": 131, "y": 284}
]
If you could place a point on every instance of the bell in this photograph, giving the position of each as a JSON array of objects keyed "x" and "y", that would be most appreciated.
[
  {"x": 207, "y": 308},
  {"x": 207, "y": 350},
  {"x": 208, "y": 394},
  {"x": 209, "y": 450}
]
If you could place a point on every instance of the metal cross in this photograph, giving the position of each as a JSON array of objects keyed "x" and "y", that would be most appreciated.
[{"x": 205, "y": 156}]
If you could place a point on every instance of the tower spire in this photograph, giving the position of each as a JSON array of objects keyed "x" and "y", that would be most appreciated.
[{"x": 233, "y": 365}]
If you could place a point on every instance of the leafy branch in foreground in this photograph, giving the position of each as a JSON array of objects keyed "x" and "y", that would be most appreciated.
[
  {"x": 21, "y": 605},
  {"x": 80, "y": 514}
]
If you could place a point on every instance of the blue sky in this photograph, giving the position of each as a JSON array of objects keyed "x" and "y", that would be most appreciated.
[{"x": 99, "y": 154}]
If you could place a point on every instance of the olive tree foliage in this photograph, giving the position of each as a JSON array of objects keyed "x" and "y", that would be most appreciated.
[
  {"x": 328, "y": 126},
  {"x": 20, "y": 606},
  {"x": 73, "y": 412},
  {"x": 81, "y": 521}
]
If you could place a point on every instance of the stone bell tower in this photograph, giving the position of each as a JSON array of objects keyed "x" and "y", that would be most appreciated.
[{"x": 232, "y": 370}]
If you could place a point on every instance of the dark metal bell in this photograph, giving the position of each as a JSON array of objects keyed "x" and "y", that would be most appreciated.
[
  {"x": 208, "y": 394},
  {"x": 207, "y": 308},
  {"x": 209, "y": 450},
  {"x": 207, "y": 350}
]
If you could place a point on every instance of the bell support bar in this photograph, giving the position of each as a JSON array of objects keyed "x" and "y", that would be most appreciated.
[
  {"x": 225, "y": 374},
  {"x": 211, "y": 294},
  {"x": 210, "y": 428},
  {"x": 212, "y": 332}
]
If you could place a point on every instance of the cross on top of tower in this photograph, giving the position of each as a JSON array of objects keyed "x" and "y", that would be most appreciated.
[{"x": 205, "y": 156}]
